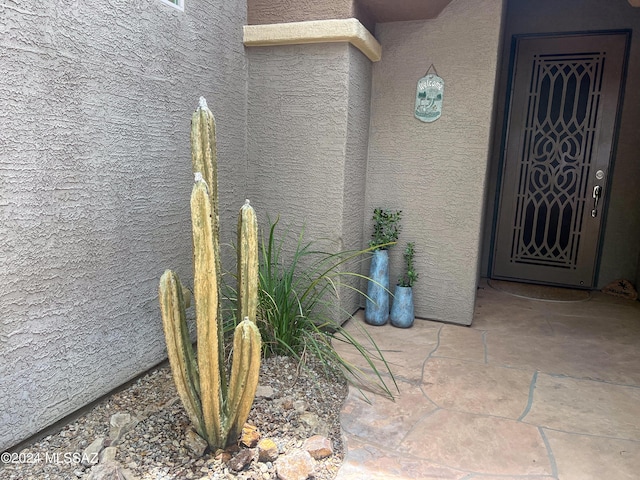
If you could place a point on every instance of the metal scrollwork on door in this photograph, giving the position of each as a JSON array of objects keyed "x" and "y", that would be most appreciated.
[{"x": 558, "y": 142}]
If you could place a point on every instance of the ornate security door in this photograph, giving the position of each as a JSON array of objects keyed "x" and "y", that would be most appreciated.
[{"x": 563, "y": 109}]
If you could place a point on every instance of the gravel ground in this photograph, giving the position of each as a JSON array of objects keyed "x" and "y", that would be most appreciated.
[{"x": 305, "y": 402}]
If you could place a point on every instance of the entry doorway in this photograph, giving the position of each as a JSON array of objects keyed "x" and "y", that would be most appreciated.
[{"x": 560, "y": 134}]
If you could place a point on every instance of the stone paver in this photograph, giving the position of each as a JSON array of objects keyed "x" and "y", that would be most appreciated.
[
  {"x": 479, "y": 443},
  {"x": 509, "y": 477},
  {"x": 584, "y": 406},
  {"x": 404, "y": 352},
  {"x": 580, "y": 457},
  {"x": 371, "y": 462},
  {"x": 477, "y": 388},
  {"x": 533, "y": 390},
  {"x": 381, "y": 420},
  {"x": 588, "y": 358},
  {"x": 461, "y": 343}
]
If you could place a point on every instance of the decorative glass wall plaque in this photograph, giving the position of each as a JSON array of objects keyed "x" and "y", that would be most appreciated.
[{"x": 429, "y": 93}]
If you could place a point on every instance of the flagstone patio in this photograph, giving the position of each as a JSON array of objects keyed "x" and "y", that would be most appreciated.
[{"x": 532, "y": 390}]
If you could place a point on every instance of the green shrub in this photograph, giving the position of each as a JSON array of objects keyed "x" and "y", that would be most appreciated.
[
  {"x": 410, "y": 275},
  {"x": 386, "y": 228},
  {"x": 298, "y": 305}
]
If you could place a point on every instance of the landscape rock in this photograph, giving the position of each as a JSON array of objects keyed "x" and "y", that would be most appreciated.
[
  {"x": 300, "y": 406},
  {"x": 622, "y": 289},
  {"x": 241, "y": 460},
  {"x": 265, "y": 392},
  {"x": 108, "y": 454},
  {"x": 267, "y": 450},
  {"x": 310, "y": 419},
  {"x": 285, "y": 402},
  {"x": 90, "y": 455},
  {"x": 318, "y": 446},
  {"x": 195, "y": 443},
  {"x": 120, "y": 424},
  {"x": 297, "y": 465},
  {"x": 250, "y": 436},
  {"x": 110, "y": 471}
]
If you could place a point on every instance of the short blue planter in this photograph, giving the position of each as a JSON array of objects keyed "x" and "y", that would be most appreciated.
[
  {"x": 402, "y": 309},
  {"x": 376, "y": 311}
]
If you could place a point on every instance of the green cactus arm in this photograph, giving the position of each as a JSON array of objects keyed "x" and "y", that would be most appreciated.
[
  {"x": 247, "y": 263},
  {"x": 205, "y": 162},
  {"x": 203, "y": 149},
  {"x": 179, "y": 348},
  {"x": 207, "y": 320},
  {"x": 245, "y": 373}
]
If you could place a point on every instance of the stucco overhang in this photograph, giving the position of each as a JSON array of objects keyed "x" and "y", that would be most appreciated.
[
  {"x": 402, "y": 10},
  {"x": 316, "y": 31}
]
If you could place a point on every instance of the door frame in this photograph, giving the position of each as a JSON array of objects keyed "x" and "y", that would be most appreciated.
[{"x": 507, "y": 94}]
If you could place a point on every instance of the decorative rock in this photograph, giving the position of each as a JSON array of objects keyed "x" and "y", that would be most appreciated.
[
  {"x": 297, "y": 465},
  {"x": 300, "y": 406},
  {"x": 120, "y": 420},
  {"x": 250, "y": 436},
  {"x": 120, "y": 424},
  {"x": 108, "y": 454},
  {"x": 110, "y": 471},
  {"x": 90, "y": 455},
  {"x": 310, "y": 419},
  {"x": 265, "y": 392},
  {"x": 241, "y": 460},
  {"x": 286, "y": 402},
  {"x": 195, "y": 443},
  {"x": 223, "y": 456},
  {"x": 267, "y": 450},
  {"x": 319, "y": 447},
  {"x": 622, "y": 289}
]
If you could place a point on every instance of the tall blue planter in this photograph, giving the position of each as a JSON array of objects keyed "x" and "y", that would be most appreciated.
[
  {"x": 402, "y": 309},
  {"x": 376, "y": 310}
]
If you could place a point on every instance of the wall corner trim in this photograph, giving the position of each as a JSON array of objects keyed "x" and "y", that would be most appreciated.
[{"x": 315, "y": 31}]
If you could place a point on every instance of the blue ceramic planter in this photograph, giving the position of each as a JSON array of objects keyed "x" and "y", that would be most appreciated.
[
  {"x": 376, "y": 310},
  {"x": 402, "y": 308}
]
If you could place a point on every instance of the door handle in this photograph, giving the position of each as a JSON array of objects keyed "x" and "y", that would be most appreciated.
[{"x": 597, "y": 192}]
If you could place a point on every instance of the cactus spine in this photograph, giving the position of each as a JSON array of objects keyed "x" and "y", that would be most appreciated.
[{"x": 217, "y": 410}]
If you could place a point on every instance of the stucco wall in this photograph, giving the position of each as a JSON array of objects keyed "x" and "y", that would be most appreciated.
[
  {"x": 620, "y": 250},
  {"x": 95, "y": 180},
  {"x": 435, "y": 173},
  {"x": 261, "y": 12},
  {"x": 354, "y": 188},
  {"x": 308, "y": 124}
]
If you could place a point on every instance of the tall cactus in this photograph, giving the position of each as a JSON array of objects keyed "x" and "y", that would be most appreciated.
[{"x": 217, "y": 409}]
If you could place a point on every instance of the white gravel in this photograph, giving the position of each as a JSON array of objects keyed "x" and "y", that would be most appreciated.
[{"x": 155, "y": 449}]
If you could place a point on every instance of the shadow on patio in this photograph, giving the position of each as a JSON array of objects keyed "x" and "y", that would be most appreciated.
[{"x": 532, "y": 390}]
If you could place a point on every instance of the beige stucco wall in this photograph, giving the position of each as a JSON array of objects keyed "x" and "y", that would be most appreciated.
[
  {"x": 281, "y": 11},
  {"x": 620, "y": 249},
  {"x": 435, "y": 173},
  {"x": 308, "y": 110},
  {"x": 95, "y": 179},
  {"x": 261, "y": 12}
]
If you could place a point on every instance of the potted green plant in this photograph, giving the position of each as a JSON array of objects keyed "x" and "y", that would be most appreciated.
[
  {"x": 402, "y": 311},
  {"x": 386, "y": 228}
]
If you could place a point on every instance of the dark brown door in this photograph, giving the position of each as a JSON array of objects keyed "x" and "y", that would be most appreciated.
[{"x": 563, "y": 109}]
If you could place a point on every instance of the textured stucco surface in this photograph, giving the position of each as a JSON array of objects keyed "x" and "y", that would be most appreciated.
[
  {"x": 620, "y": 249},
  {"x": 260, "y": 12},
  {"x": 314, "y": 31},
  {"x": 95, "y": 179},
  {"x": 355, "y": 167},
  {"x": 308, "y": 123},
  {"x": 435, "y": 173}
]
